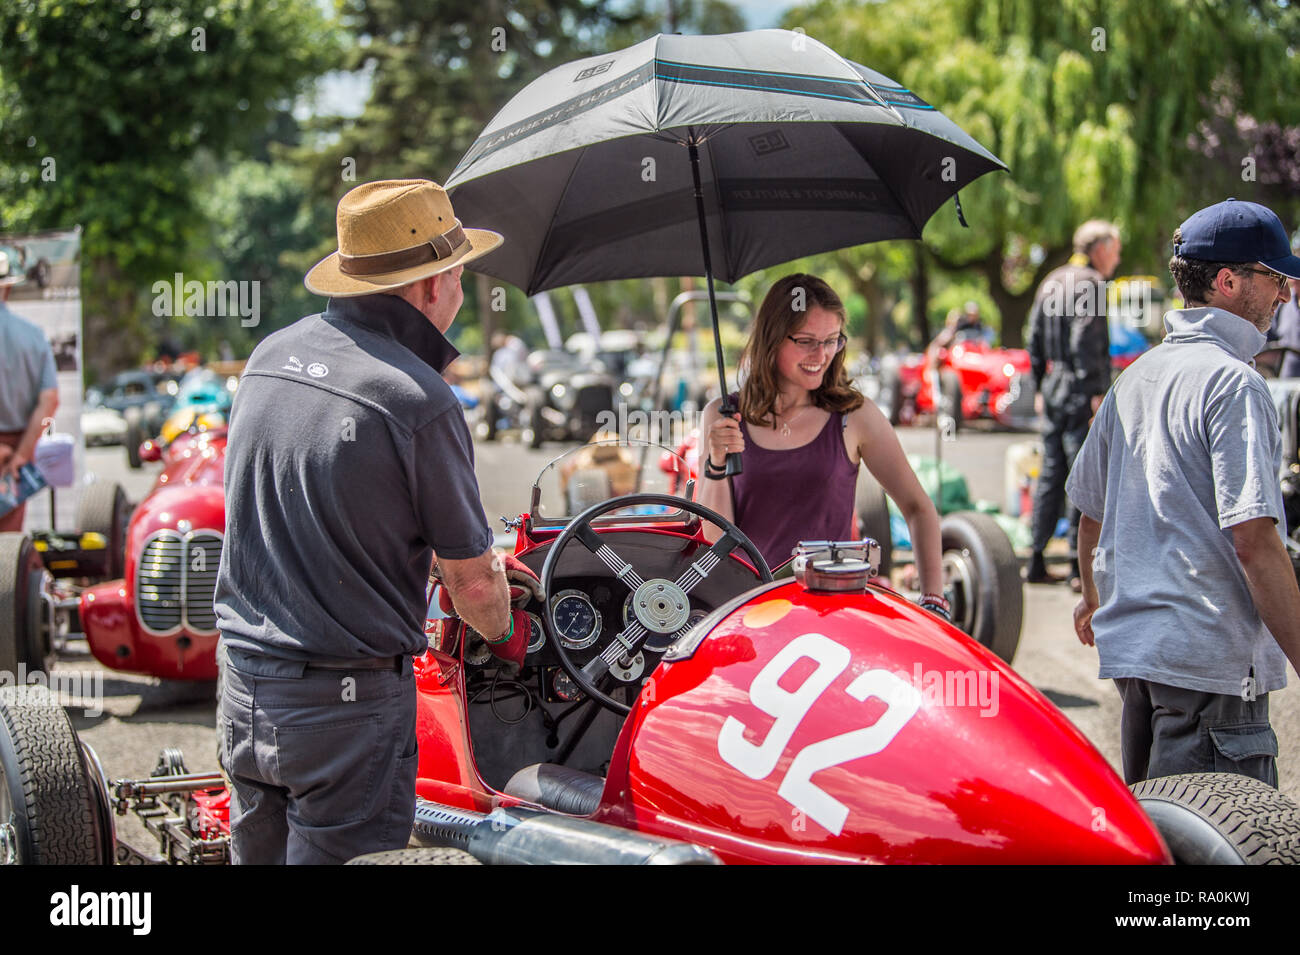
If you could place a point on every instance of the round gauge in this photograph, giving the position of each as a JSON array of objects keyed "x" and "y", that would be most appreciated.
[
  {"x": 537, "y": 639},
  {"x": 576, "y": 619},
  {"x": 565, "y": 688}
]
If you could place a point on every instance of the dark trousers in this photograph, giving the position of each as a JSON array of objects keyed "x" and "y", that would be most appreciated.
[
  {"x": 1063, "y": 436},
  {"x": 1167, "y": 730},
  {"x": 321, "y": 763}
]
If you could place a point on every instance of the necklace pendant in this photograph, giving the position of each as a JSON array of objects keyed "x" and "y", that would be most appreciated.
[{"x": 785, "y": 429}]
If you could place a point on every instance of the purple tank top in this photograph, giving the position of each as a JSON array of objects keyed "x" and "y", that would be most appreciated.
[{"x": 803, "y": 493}]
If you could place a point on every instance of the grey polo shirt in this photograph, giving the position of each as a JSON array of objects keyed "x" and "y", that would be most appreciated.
[
  {"x": 1185, "y": 445},
  {"x": 348, "y": 464},
  {"x": 26, "y": 369}
]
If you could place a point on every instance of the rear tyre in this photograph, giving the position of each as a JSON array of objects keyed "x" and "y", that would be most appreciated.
[
  {"x": 950, "y": 392},
  {"x": 1222, "y": 819},
  {"x": 422, "y": 856},
  {"x": 873, "y": 516},
  {"x": 48, "y": 809},
  {"x": 23, "y": 637},
  {"x": 104, "y": 510},
  {"x": 982, "y": 581}
]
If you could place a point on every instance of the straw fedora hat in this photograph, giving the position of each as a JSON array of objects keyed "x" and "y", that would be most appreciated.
[{"x": 392, "y": 233}]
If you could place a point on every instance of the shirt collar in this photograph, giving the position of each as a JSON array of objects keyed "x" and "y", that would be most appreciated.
[
  {"x": 1229, "y": 331},
  {"x": 394, "y": 317}
]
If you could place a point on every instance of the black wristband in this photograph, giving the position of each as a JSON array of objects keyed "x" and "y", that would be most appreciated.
[{"x": 712, "y": 471}]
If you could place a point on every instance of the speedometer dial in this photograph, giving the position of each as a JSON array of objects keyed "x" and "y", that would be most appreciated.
[{"x": 576, "y": 618}]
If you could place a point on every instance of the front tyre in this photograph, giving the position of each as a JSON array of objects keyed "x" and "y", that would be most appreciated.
[
  {"x": 1222, "y": 819},
  {"x": 982, "y": 581},
  {"x": 49, "y": 813}
]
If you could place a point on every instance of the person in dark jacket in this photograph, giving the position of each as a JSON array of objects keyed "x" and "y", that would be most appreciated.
[{"x": 1069, "y": 354}]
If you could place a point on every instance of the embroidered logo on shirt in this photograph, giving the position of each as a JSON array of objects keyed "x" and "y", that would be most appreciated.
[
  {"x": 317, "y": 370},
  {"x": 293, "y": 364}
]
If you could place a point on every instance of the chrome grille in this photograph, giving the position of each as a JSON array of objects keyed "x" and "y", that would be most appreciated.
[{"x": 175, "y": 582}]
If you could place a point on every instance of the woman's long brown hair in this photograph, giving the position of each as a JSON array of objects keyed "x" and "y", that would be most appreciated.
[{"x": 777, "y": 318}]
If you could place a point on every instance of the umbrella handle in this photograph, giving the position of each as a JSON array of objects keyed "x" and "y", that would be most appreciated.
[{"x": 735, "y": 464}]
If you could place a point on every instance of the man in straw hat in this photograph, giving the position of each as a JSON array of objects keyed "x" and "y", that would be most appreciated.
[
  {"x": 29, "y": 391},
  {"x": 349, "y": 465}
]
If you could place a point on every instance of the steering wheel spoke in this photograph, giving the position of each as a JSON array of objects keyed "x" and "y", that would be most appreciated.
[
  {"x": 706, "y": 562},
  {"x": 624, "y": 644},
  {"x": 622, "y": 569}
]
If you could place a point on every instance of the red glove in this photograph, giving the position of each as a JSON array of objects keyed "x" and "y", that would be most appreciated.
[
  {"x": 512, "y": 646},
  {"x": 524, "y": 585}
]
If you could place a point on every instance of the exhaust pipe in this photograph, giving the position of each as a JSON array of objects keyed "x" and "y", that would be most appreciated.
[{"x": 519, "y": 836}]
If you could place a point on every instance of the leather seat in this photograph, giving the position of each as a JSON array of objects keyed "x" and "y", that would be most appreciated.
[{"x": 557, "y": 787}]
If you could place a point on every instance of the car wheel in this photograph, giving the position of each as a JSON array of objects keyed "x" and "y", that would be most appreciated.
[
  {"x": 104, "y": 510},
  {"x": 982, "y": 581},
  {"x": 48, "y": 806},
  {"x": 23, "y": 633},
  {"x": 134, "y": 436},
  {"x": 421, "y": 856},
  {"x": 1222, "y": 819},
  {"x": 873, "y": 514},
  {"x": 891, "y": 395},
  {"x": 950, "y": 393}
]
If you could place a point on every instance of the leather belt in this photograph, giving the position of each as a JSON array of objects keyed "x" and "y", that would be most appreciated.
[{"x": 359, "y": 663}]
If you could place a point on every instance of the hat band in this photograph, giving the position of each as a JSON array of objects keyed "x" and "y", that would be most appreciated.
[{"x": 381, "y": 263}]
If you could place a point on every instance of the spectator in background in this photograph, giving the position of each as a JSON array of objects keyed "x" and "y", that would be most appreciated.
[
  {"x": 1069, "y": 354},
  {"x": 29, "y": 393}
]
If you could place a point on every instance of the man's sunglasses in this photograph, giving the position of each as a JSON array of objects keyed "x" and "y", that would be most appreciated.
[{"x": 1276, "y": 276}]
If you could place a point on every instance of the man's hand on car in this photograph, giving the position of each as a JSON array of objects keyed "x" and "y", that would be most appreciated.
[{"x": 523, "y": 583}]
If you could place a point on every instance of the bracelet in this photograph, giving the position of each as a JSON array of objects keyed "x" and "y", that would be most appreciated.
[
  {"x": 937, "y": 600},
  {"x": 509, "y": 633},
  {"x": 712, "y": 472}
]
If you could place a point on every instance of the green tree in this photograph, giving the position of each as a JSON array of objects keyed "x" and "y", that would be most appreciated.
[
  {"x": 1097, "y": 108},
  {"x": 123, "y": 98}
]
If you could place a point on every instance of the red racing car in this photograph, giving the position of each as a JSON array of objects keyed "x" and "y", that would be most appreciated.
[
  {"x": 975, "y": 380},
  {"x": 680, "y": 705}
]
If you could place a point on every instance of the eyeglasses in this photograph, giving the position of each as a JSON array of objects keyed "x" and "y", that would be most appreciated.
[
  {"x": 810, "y": 345},
  {"x": 1276, "y": 276}
]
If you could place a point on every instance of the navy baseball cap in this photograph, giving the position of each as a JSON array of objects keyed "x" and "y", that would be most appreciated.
[{"x": 1237, "y": 231}]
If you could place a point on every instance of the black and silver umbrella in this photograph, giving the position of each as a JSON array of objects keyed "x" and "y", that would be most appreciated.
[{"x": 705, "y": 155}]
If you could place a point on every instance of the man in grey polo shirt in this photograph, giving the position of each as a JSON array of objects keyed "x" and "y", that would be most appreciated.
[
  {"x": 348, "y": 465},
  {"x": 1190, "y": 597},
  {"x": 29, "y": 389}
]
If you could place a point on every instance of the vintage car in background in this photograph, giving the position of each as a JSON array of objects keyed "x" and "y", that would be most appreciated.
[
  {"x": 138, "y": 581},
  {"x": 975, "y": 380},
  {"x": 680, "y": 704}
]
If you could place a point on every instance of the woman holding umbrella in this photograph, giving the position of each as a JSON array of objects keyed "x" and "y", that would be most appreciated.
[{"x": 802, "y": 431}]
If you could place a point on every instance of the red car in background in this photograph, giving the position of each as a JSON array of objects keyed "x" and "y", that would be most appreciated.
[
  {"x": 137, "y": 582},
  {"x": 975, "y": 380}
]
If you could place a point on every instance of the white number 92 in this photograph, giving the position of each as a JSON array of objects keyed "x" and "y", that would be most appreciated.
[{"x": 789, "y": 707}]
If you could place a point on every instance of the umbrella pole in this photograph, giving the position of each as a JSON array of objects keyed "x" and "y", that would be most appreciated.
[{"x": 734, "y": 464}]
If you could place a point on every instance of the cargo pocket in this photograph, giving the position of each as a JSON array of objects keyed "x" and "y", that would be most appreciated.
[
  {"x": 1248, "y": 749},
  {"x": 329, "y": 769}
]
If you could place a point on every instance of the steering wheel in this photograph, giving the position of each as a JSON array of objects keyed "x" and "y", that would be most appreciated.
[{"x": 660, "y": 606}]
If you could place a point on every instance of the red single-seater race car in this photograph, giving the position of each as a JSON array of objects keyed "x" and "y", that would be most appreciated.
[
  {"x": 975, "y": 381},
  {"x": 679, "y": 704},
  {"x": 137, "y": 582}
]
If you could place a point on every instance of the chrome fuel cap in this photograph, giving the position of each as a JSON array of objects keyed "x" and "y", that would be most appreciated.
[{"x": 836, "y": 566}]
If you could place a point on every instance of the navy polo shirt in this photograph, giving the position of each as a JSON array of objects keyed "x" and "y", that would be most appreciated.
[{"x": 349, "y": 464}]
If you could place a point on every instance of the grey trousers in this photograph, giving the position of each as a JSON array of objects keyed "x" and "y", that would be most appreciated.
[
  {"x": 321, "y": 763},
  {"x": 1168, "y": 730}
]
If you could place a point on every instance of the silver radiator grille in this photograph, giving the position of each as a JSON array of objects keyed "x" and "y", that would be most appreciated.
[{"x": 175, "y": 582}]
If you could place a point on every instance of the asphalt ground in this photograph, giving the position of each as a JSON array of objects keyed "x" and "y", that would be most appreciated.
[{"x": 142, "y": 715}]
